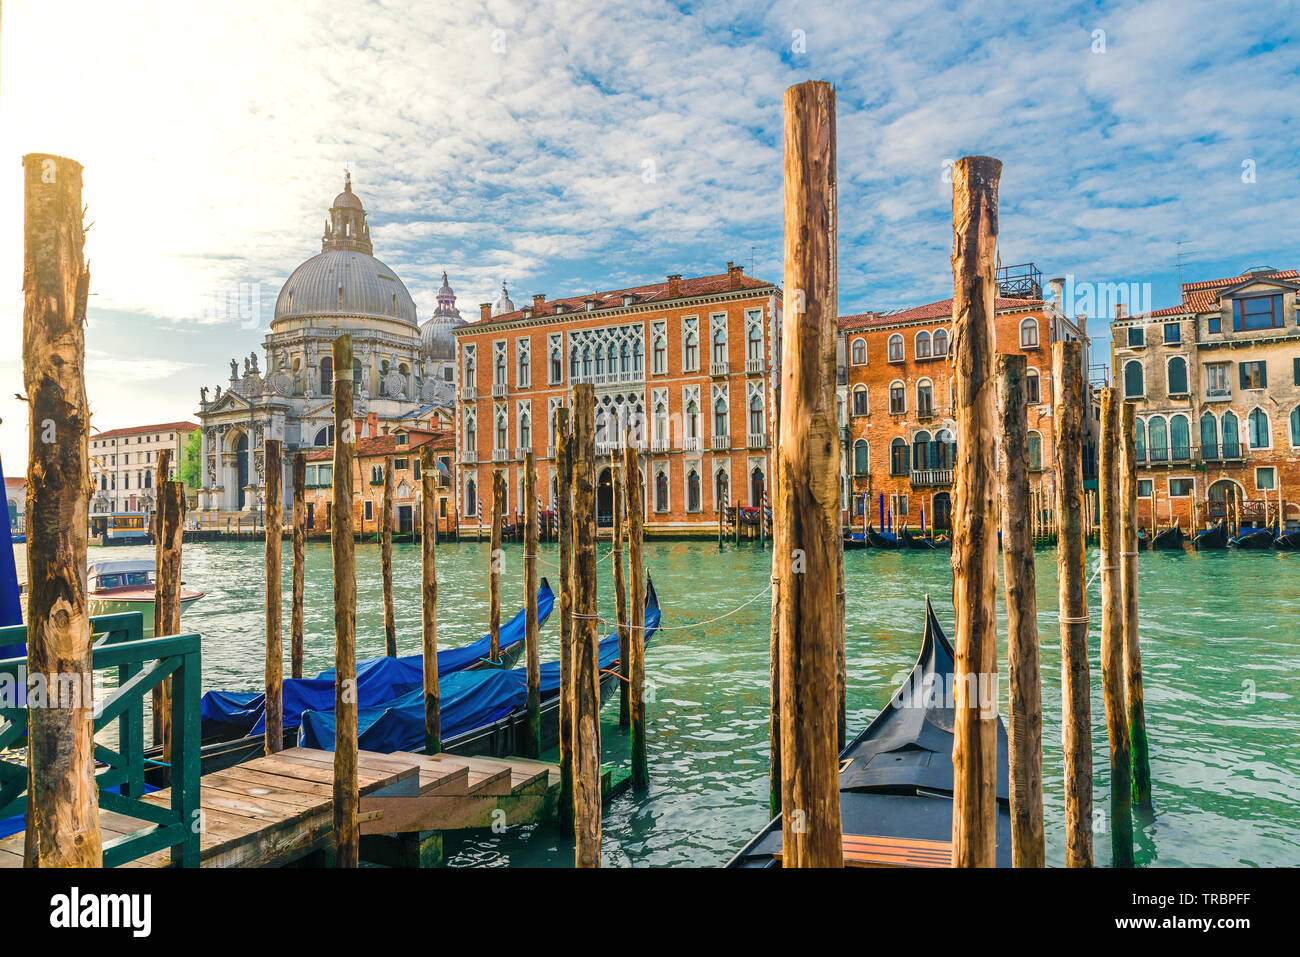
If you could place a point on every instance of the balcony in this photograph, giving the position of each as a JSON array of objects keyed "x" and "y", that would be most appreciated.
[
  {"x": 500, "y": 455},
  {"x": 658, "y": 445},
  {"x": 608, "y": 378},
  {"x": 521, "y": 451},
  {"x": 469, "y": 457},
  {"x": 468, "y": 393},
  {"x": 550, "y": 451},
  {"x": 931, "y": 477},
  {"x": 718, "y": 368},
  {"x": 609, "y": 447},
  {"x": 925, "y": 414},
  {"x": 721, "y": 443},
  {"x": 753, "y": 367},
  {"x": 1229, "y": 453},
  {"x": 756, "y": 440},
  {"x": 1218, "y": 395},
  {"x": 691, "y": 443},
  {"x": 499, "y": 390}
]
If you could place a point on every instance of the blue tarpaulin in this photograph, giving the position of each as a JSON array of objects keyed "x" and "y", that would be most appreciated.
[
  {"x": 470, "y": 700},
  {"x": 11, "y": 610},
  {"x": 237, "y": 714}
]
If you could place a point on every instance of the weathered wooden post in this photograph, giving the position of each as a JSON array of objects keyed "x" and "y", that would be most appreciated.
[
  {"x": 975, "y": 520},
  {"x": 496, "y": 559},
  {"x": 635, "y": 496},
  {"x": 1112, "y": 633},
  {"x": 1139, "y": 751},
  {"x": 274, "y": 531},
  {"x": 429, "y": 600},
  {"x": 386, "y": 560},
  {"x": 774, "y": 772},
  {"x": 346, "y": 800},
  {"x": 1071, "y": 572},
  {"x": 62, "y": 801},
  {"x": 620, "y": 601},
  {"x": 1025, "y": 734},
  {"x": 169, "y": 522},
  {"x": 533, "y": 707},
  {"x": 806, "y": 506},
  {"x": 586, "y": 679},
  {"x": 564, "y": 532},
  {"x": 296, "y": 610}
]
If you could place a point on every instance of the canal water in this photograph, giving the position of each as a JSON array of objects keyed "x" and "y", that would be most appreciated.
[{"x": 1221, "y": 658}]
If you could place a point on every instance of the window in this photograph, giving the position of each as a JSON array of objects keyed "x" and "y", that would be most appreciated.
[
  {"x": 720, "y": 345},
  {"x": 661, "y": 492},
  {"x": 1260, "y": 312},
  {"x": 369, "y": 510},
  {"x": 1032, "y": 391},
  {"x": 1209, "y": 436},
  {"x": 327, "y": 376},
  {"x": 400, "y": 465},
  {"x": 1179, "y": 440},
  {"x": 658, "y": 349},
  {"x": 471, "y": 498},
  {"x": 945, "y": 449},
  {"x": 555, "y": 355},
  {"x": 721, "y": 496},
  {"x": 376, "y": 475},
  {"x": 1295, "y": 427},
  {"x": 754, "y": 349},
  {"x": 720, "y": 426},
  {"x": 895, "y": 348},
  {"x": 1135, "y": 337},
  {"x": 470, "y": 432},
  {"x": 1254, "y": 375},
  {"x": 1295, "y": 369},
  {"x": 1029, "y": 334},
  {"x": 499, "y": 365},
  {"x": 1265, "y": 479},
  {"x": 756, "y": 415},
  {"x": 525, "y": 429},
  {"x": 1231, "y": 436},
  {"x": 416, "y": 468},
  {"x": 1180, "y": 487},
  {"x": 523, "y": 373},
  {"x": 921, "y": 446},
  {"x": 1173, "y": 333},
  {"x": 693, "y": 491},
  {"x": 1156, "y": 439},
  {"x": 897, "y": 398},
  {"x": 922, "y": 345},
  {"x": 1134, "y": 387},
  {"x": 898, "y": 457},
  {"x": 1216, "y": 379},
  {"x": 1035, "y": 445},
  {"x": 502, "y": 430},
  {"x": 1214, "y": 324},
  {"x": 1145, "y": 488},
  {"x": 941, "y": 342},
  {"x": 860, "y": 457},
  {"x": 692, "y": 419},
  {"x": 661, "y": 420},
  {"x": 925, "y": 397},
  {"x": 860, "y": 400},
  {"x": 1257, "y": 429},
  {"x": 1177, "y": 376},
  {"x": 691, "y": 346},
  {"x": 858, "y": 352}
]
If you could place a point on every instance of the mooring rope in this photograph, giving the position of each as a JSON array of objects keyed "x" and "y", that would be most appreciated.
[{"x": 694, "y": 624}]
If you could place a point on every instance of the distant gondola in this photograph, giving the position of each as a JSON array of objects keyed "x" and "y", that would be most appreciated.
[
  {"x": 881, "y": 539},
  {"x": 917, "y": 541},
  {"x": 1288, "y": 540},
  {"x": 1213, "y": 537},
  {"x": 1171, "y": 539},
  {"x": 854, "y": 540},
  {"x": 896, "y": 777},
  {"x": 1253, "y": 538}
]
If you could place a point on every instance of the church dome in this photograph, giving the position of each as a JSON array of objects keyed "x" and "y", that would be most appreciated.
[
  {"x": 436, "y": 340},
  {"x": 345, "y": 282},
  {"x": 503, "y": 305}
]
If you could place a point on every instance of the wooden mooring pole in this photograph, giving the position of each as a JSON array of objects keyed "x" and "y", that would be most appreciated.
[
  {"x": 62, "y": 800},
  {"x": 620, "y": 600},
  {"x": 386, "y": 560},
  {"x": 634, "y": 492},
  {"x": 1025, "y": 731},
  {"x": 586, "y": 678},
  {"x": 774, "y": 773},
  {"x": 533, "y": 664},
  {"x": 346, "y": 800},
  {"x": 274, "y": 531},
  {"x": 806, "y": 506},
  {"x": 975, "y": 520},
  {"x": 1071, "y": 572},
  {"x": 564, "y": 533},
  {"x": 1112, "y": 633},
  {"x": 1139, "y": 751},
  {"x": 429, "y": 600},
  {"x": 296, "y": 610},
  {"x": 169, "y": 522},
  {"x": 496, "y": 559}
]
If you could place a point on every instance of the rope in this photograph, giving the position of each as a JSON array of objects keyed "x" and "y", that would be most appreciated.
[
  {"x": 1066, "y": 620},
  {"x": 695, "y": 624}
]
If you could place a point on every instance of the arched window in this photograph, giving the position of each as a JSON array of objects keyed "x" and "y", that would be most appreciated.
[
  {"x": 1179, "y": 439},
  {"x": 1209, "y": 436},
  {"x": 897, "y": 397},
  {"x": 756, "y": 415},
  {"x": 471, "y": 433},
  {"x": 1033, "y": 392},
  {"x": 895, "y": 348},
  {"x": 1257, "y": 429},
  {"x": 941, "y": 342},
  {"x": 1177, "y": 376},
  {"x": 692, "y": 491},
  {"x": 636, "y": 357},
  {"x": 922, "y": 345},
  {"x": 692, "y": 419},
  {"x": 327, "y": 376},
  {"x": 661, "y": 422},
  {"x": 358, "y": 377},
  {"x": 1295, "y": 427},
  {"x": 720, "y": 426},
  {"x": 625, "y": 358},
  {"x": 925, "y": 397},
  {"x": 661, "y": 492},
  {"x": 721, "y": 492},
  {"x": 503, "y": 438},
  {"x": 499, "y": 374},
  {"x": 898, "y": 457},
  {"x": 1231, "y": 436},
  {"x": 525, "y": 431},
  {"x": 861, "y": 453},
  {"x": 1035, "y": 446},
  {"x": 720, "y": 345},
  {"x": 586, "y": 362},
  {"x": 1029, "y": 334},
  {"x": 921, "y": 450},
  {"x": 1133, "y": 384},
  {"x": 471, "y": 498},
  {"x": 660, "y": 357},
  {"x": 1156, "y": 436},
  {"x": 691, "y": 352},
  {"x": 755, "y": 350},
  {"x": 859, "y": 400},
  {"x": 1140, "y": 440},
  {"x": 324, "y": 437},
  {"x": 858, "y": 353},
  {"x": 945, "y": 449}
]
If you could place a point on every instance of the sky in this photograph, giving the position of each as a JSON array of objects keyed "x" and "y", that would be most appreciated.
[{"x": 567, "y": 147}]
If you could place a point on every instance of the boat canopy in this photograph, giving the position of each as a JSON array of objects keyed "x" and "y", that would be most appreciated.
[{"x": 119, "y": 567}]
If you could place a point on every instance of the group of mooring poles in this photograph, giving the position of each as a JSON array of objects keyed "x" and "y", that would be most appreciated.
[{"x": 991, "y": 492}]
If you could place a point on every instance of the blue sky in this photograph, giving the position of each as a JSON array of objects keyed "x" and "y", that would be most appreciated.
[{"x": 566, "y": 147}]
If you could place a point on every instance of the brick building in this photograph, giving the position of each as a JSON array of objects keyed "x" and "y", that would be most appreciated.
[
  {"x": 376, "y": 446},
  {"x": 687, "y": 363},
  {"x": 896, "y": 405},
  {"x": 1216, "y": 381}
]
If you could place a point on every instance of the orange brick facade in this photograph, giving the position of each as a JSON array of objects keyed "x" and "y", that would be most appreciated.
[{"x": 688, "y": 364}]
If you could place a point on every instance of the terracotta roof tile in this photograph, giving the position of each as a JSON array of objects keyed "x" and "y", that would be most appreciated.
[
  {"x": 932, "y": 311},
  {"x": 141, "y": 429}
]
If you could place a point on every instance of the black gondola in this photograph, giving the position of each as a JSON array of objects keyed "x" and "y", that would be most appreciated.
[
  {"x": 1288, "y": 540},
  {"x": 896, "y": 777},
  {"x": 854, "y": 540},
  {"x": 1253, "y": 538},
  {"x": 917, "y": 541},
  {"x": 1213, "y": 537},
  {"x": 1171, "y": 539},
  {"x": 881, "y": 539}
]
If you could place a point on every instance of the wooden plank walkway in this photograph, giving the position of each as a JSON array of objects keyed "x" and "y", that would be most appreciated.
[{"x": 276, "y": 809}]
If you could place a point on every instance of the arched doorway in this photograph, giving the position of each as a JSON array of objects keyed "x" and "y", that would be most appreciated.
[
  {"x": 1221, "y": 495},
  {"x": 942, "y": 512},
  {"x": 605, "y": 499},
  {"x": 756, "y": 486},
  {"x": 241, "y": 466}
]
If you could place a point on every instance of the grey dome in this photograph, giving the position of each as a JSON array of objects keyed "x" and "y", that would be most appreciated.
[
  {"x": 436, "y": 340},
  {"x": 368, "y": 288}
]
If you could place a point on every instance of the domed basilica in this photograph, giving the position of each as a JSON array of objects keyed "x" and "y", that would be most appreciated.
[{"x": 403, "y": 369}]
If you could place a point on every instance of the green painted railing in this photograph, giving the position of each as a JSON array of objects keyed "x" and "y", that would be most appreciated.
[{"x": 141, "y": 665}]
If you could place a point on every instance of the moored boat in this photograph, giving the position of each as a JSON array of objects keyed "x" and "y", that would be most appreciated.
[
  {"x": 128, "y": 586},
  {"x": 1170, "y": 539},
  {"x": 896, "y": 777},
  {"x": 854, "y": 540},
  {"x": 1214, "y": 537},
  {"x": 1253, "y": 538},
  {"x": 881, "y": 539},
  {"x": 1288, "y": 540},
  {"x": 917, "y": 541}
]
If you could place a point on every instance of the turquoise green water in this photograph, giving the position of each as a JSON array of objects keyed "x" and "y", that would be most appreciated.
[{"x": 1221, "y": 655}]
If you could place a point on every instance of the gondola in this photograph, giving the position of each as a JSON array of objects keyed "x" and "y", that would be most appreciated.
[
  {"x": 854, "y": 540},
  {"x": 924, "y": 542},
  {"x": 881, "y": 539},
  {"x": 1288, "y": 541},
  {"x": 896, "y": 777},
  {"x": 1214, "y": 537},
  {"x": 1253, "y": 538},
  {"x": 1171, "y": 539}
]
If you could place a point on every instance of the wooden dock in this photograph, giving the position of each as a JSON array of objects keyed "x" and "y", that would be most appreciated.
[{"x": 276, "y": 810}]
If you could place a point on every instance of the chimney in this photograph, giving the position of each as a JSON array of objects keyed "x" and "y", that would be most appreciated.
[
  {"x": 734, "y": 273},
  {"x": 538, "y": 299},
  {"x": 674, "y": 285},
  {"x": 484, "y": 311},
  {"x": 372, "y": 420},
  {"x": 359, "y": 428},
  {"x": 1121, "y": 310},
  {"x": 1058, "y": 292}
]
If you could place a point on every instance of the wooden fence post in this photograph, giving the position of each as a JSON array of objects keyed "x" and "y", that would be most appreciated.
[
  {"x": 634, "y": 493},
  {"x": 620, "y": 600},
  {"x": 496, "y": 559},
  {"x": 1025, "y": 731},
  {"x": 1071, "y": 572},
  {"x": 807, "y": 501},
  {"x": 564, "y": 533},
  {"x": 274, "y": 531},
  {"x": 429, "y": 600},
  {"x": 296, "y": 611},
  {"x": 1139, "y": 750},
  {"x": 586, "y": 678},
  {"x": 533, "y": 707},
  {"x": 346, "y": 800}
]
